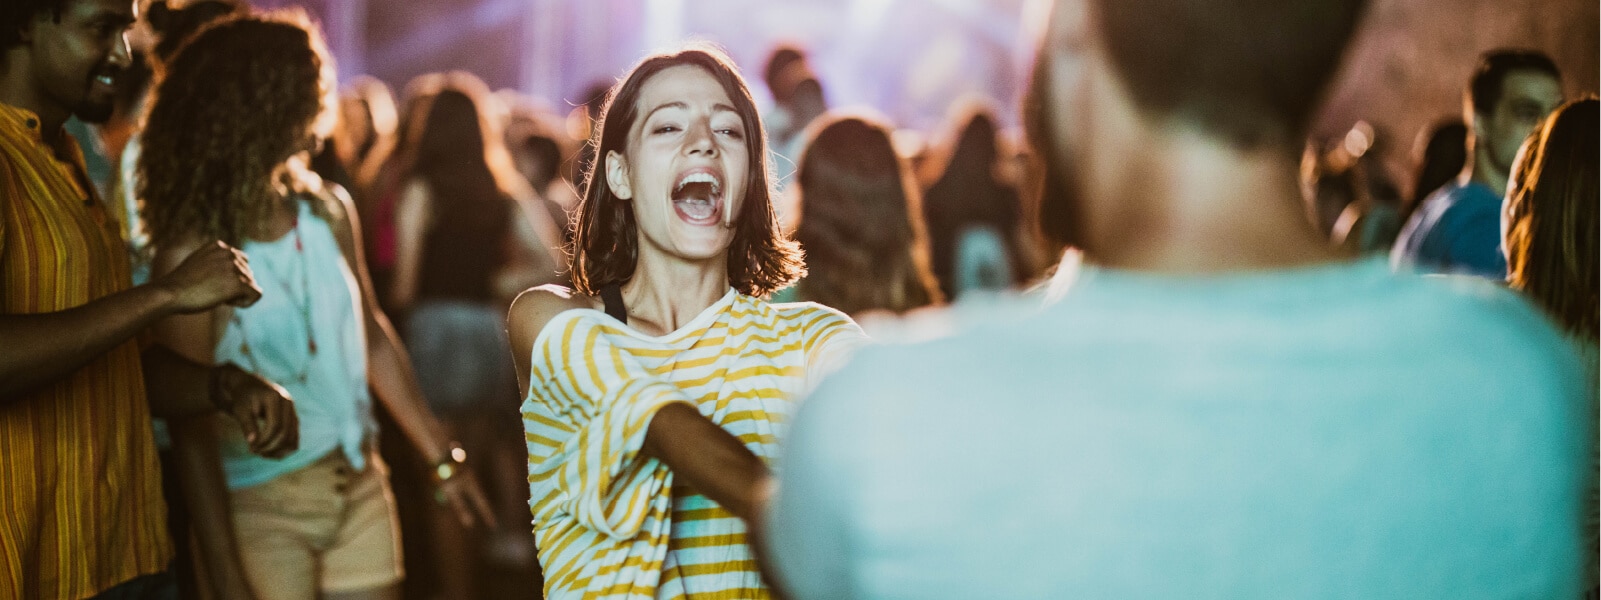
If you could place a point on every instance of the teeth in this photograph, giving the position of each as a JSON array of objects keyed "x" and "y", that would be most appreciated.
[
  {"x": 106, "y": 79},
  {"x": 700, "y": 177}
]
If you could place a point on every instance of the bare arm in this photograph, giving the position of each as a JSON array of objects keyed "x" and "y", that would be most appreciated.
[
  {"x": 709, "y": 458},
  {"x": 43, "y": 348},
  {"x": 412, "y": 216},
  {"x": 392, "y": 378},
  {"x": 205, "y": 492},
  {"x": 183, "y": 379}
]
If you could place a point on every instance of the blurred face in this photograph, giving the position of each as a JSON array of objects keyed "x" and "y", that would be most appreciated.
[
  {"x": 686, "y": 165},
  {"x": 78, "y": 60},
  {"x": 1526, "y": 98}
]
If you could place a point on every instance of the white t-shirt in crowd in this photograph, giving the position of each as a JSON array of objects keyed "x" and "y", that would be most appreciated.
[{"x": 1325, "y": 432}]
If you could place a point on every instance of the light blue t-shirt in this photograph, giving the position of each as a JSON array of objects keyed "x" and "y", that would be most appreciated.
[
  {"x": 1326, "y": 432},
  {"x": 332, "y": 401}
]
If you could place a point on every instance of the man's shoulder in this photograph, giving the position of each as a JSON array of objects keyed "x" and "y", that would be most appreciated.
[{"x": 960, "y": 346}]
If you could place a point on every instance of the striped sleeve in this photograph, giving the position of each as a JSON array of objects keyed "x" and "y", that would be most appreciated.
[
  {"x": 589, "y": 407},
  {"x": 831, "y": 338}
]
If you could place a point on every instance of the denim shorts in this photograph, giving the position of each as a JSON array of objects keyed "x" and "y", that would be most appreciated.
[{"x": 462, "y": 357}]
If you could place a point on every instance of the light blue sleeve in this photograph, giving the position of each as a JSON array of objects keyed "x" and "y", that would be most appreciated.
[{"x": 807, "y": 542}]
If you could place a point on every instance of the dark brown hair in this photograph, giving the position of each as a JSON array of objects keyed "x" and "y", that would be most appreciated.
[
  {"x": 1249, "y": 71},
  {"x": 1484, "y": 90},
  {"x": 861, "y": 224},
  {"x": 605, "y": 245},
  {"x": 238, "y": 99},
  {"x": 1552, "y": 214}
]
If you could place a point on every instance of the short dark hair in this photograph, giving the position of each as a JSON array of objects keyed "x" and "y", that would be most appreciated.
[
  {"x": 15, "y": 15},
  {"x": 778, "y": 76},
  {"x": 1484, "y": 91},
  {"x": 605, "y": 247},
  {"x": 1250, "y": 71}
]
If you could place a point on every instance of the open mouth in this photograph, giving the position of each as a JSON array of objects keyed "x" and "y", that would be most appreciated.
[{"x": 698, "y": 197}]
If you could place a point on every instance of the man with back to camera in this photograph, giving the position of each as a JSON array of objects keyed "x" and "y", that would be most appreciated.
[
  {"x": 81, "y": 513},
  {"x": 1219, "y": 405},
  {"x": 1458, "y": 228}
]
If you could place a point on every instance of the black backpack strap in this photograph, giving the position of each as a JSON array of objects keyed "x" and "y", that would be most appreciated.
[{"x": 612, "y": 296}]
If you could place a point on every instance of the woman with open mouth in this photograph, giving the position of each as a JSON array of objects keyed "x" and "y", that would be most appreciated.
[{"x": 659, "y": 386}]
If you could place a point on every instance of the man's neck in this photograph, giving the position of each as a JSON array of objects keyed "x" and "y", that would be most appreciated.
[
  {"x": 19, "y": 88},
  {"x": 1187, "y": 204},
  {"x": 1486, "y": 172}
]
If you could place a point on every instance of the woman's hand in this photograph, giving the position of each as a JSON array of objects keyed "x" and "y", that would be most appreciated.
[{"x": 465, "y": 497}]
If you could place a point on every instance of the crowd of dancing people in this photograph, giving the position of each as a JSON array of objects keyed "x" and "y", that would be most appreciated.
[{"x": 677, "y": 342}]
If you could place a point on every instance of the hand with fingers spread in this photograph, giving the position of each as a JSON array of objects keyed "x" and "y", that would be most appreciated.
[
  {"x": 215, "y": 274},
  {"x": 263, "y": 409},
  {"x": 458, "y": 488}
]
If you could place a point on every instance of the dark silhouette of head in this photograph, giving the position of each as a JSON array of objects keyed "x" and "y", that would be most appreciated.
[{"x": 861, "y": 223}]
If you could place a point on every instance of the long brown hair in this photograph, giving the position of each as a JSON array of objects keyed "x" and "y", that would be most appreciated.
[
  {"x": 605, "y": 247},
  {"x": 861, "y": 221},
  {"x": 1552, "y": 212},
  {"x": 237, "y": 101}
]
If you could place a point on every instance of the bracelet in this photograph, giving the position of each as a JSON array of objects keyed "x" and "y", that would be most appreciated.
[{"x": 451, "y": 464}]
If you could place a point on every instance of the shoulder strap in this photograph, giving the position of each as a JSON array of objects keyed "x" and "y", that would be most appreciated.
[{"x": 612, "y": 296}]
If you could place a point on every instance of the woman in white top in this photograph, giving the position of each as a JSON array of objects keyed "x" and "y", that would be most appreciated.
[{"x": 225, "y": 150}]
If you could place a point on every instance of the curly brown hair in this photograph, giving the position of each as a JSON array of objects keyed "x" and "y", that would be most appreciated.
[
  {"x": 237, "y": 101},
  {"x": 605, "y": 247}
]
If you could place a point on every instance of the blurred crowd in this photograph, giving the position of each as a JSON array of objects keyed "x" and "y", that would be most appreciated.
[{"x": 373, "y": 241}]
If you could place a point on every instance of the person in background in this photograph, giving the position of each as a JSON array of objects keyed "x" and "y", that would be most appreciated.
[
  {"x": 380, "y": 180},
  {"x": 367, "y": 111},
  {"x": 650, "y": 425},
  {"x": 540, "y": 151},
  {"x": 1216, "y": 404},
  {"x": 787, "y": 64},
  {"x": 860, "y": 222},
  {"x": 470, "y": 236},
  {"x": 972, "y": 216},
  {"x": 79, "y": 479},
  {"x": 319, "y": 522},
  {"x": 1442, "y": 151},
  {"x": 1549, "y": 228},
  {"x": 1455, "y": 230}
]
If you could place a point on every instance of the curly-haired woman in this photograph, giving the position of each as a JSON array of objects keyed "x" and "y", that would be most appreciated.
[
  {"x": 235, "y": 118},
  {"x": 659, "y": 387}
]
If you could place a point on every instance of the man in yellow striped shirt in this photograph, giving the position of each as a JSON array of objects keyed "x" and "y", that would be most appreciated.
[{"x": 81, "y": 513}]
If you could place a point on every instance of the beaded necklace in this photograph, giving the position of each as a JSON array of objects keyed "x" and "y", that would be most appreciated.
[{"x": 303, "y": 305}]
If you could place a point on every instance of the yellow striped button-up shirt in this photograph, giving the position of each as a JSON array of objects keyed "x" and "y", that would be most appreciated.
[
  {"x": 80, "y": 495},
  {"x": 611, "y": 523}
]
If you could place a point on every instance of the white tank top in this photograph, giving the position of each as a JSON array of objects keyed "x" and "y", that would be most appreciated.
[{"x": 307, "y": 335}]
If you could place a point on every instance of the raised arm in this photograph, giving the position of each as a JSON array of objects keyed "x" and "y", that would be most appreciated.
[{"x": 42, "y": 348}]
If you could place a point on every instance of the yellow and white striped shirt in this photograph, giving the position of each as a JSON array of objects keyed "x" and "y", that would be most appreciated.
[{"x": 609, "y": 522}]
